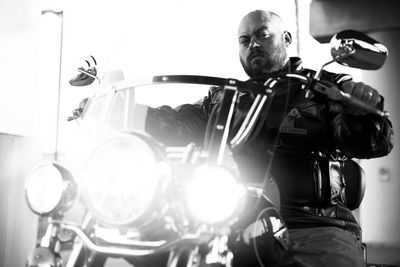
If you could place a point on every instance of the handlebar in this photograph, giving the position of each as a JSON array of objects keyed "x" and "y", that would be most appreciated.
[{"x": 313, "y": 85}]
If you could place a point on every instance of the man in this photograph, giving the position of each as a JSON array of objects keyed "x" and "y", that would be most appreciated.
[{"x": 303, "y": 136}]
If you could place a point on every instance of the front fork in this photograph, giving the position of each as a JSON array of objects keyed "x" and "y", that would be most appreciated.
[
  {"x": 216, "y": 254},
  {"x": 47, "y": 252},
  {"x": 81, "y": 256}
]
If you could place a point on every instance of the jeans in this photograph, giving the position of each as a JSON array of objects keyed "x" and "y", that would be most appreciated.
[{"x": 325, "y": 246}]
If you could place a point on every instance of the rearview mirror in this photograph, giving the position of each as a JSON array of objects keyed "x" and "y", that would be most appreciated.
[{"x": 355, "y": 49}]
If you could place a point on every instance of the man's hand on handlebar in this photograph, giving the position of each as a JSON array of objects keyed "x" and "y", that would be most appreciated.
[{"x": 359, "y": 91}]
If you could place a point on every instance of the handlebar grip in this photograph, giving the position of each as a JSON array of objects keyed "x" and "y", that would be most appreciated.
[
  {"x": 331, "y": 91},
  {"x": 352, "y": 101}
]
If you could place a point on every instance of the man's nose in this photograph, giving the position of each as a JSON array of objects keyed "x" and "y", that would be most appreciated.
[{"x": 254, "y": 43}]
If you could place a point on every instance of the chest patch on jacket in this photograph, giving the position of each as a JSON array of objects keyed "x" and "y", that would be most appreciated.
[{"x": 293, "y": 123}]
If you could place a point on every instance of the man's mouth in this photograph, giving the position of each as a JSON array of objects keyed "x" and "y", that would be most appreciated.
[{"x": 257, "y": 56}]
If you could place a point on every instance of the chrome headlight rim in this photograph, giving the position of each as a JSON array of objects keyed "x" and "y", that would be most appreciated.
[
  {"x": 66, "y": 198},
  {"x": 163, "y": 174}
]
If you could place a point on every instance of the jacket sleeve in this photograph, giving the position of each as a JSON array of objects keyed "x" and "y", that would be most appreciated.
[
  {"x": 181, "y": 125},
  {"x": 362, "y": 137}
]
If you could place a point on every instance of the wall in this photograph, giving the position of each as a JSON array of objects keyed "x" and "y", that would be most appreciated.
[
  {"x": 380, "y": 214},
  {"x": 18, "y": 151},
  {"x": 18, "y": 225},
  {"x": 18, "y": 70}
]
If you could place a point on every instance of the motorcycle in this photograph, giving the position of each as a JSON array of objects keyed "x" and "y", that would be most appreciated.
[{"x": 172, "y": 206}]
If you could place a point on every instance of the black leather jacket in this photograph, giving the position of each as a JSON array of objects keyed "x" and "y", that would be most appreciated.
[{"x": 299, "y": 133}]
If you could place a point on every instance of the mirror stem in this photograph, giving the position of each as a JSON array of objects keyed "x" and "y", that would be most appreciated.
[
  {"x": 339, "y": 57},
  {"x": 318, "y": 74}
]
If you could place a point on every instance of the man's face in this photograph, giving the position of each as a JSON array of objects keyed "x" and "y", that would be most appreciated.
[{"x": 262, "y": 44}]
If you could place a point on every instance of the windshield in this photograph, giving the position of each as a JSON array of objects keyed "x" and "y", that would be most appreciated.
[{"x": 123, "y": 107}]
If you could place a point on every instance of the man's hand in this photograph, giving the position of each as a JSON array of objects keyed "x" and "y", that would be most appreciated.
[{"x": 361, "y": 91}]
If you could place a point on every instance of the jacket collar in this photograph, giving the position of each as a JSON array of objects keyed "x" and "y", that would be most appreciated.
[{"x": 294, "y": 64}]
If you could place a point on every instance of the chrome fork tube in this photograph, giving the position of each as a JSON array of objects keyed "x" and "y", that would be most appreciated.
[{"x": 77, "y": 248}]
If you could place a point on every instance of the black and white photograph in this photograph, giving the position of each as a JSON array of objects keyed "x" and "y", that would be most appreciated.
[{"x": 188, "y": 133}]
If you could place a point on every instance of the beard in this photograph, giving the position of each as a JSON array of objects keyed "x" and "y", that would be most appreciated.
[{"x": 266, "y": 63}]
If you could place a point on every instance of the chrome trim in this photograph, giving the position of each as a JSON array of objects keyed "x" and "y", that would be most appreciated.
[
  {"x": 143, "y": 248},
  {"x": 298, "y": 77},
  {"x": 112, "y": 236},
  {"x": 76, "y": 250},
  {"x": 225, "y": 134},
  {"x": 246, "y": 120},
  {"x": 51, "y": 232},
  {"x": 250, "y": 125}
]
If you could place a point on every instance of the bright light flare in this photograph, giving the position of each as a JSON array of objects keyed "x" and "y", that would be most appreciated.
[
  {"x": 121, "y": 179},
  {"x": 44, "y": 189},
  {"x": 213, "y": 194}
]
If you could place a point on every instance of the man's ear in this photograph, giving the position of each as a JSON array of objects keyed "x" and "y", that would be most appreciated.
[{"x": 288, "y": 37}]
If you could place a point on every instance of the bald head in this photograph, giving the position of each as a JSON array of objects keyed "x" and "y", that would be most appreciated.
[
  {"x": 263, "y": 43},
  {"x": 262, "y": 17}
]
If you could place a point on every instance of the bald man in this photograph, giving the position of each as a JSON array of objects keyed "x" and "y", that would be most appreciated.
[{"x": 303, "y": 136}]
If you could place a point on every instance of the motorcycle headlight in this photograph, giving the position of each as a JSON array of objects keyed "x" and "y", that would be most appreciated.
[
  {"x": 122, "y": 178},
  {"x": 213, "y": 194},
  {"x": 50, "y": 188}
]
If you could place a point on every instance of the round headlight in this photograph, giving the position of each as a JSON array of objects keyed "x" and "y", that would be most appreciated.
[
  {"x": 50, "y": 188},
  {"x": 213, "y": 194},
  {"x": 121, "y": 179}
]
